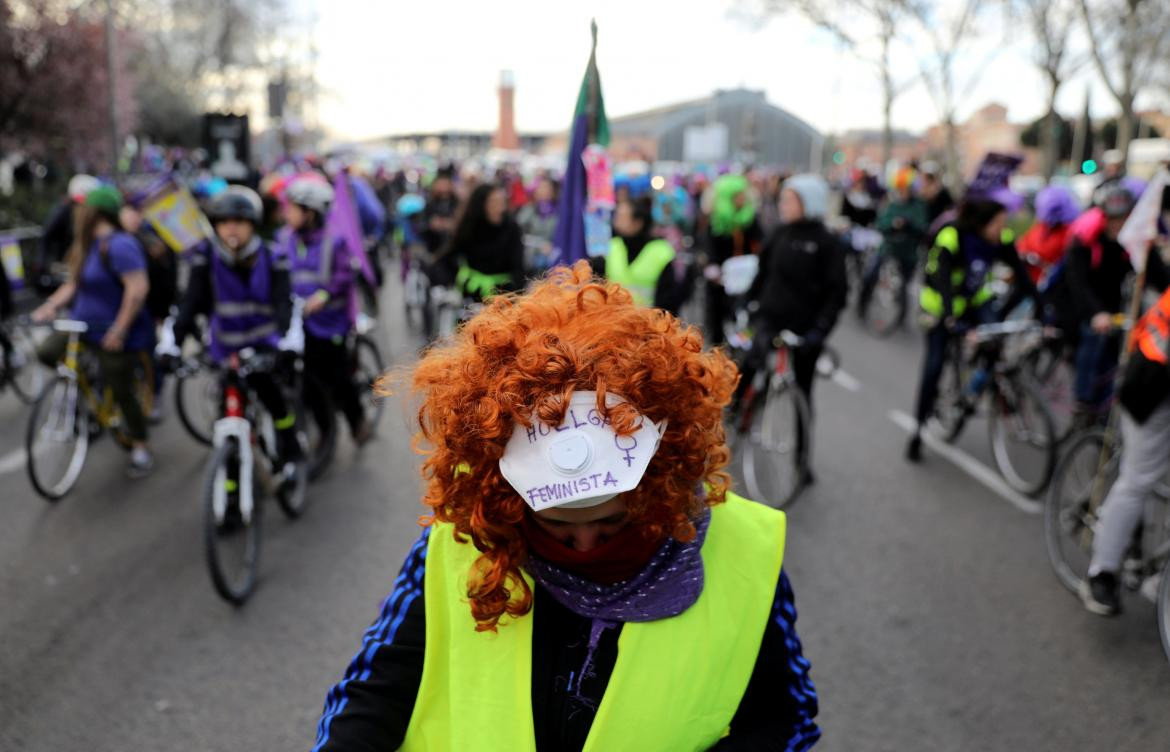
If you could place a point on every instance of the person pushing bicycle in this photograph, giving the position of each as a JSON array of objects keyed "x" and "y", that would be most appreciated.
[
  {"x": 957, "y": 291},
  {"x": 801, "y": 287},
  {"x": 243, "y": 287}
]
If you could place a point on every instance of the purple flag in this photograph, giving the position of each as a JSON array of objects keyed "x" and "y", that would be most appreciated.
[
  {"x": 343, "y": 223},
  {"x": 569, "y": 238}
]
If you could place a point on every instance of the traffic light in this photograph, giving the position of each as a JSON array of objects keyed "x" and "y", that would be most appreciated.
[
  {"x": 1089, "y": 166},
  {"x": 838, "y": 157}
]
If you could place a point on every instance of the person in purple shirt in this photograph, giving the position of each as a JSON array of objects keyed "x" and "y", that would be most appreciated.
[
  {"x": 107, "y": 286},
  {"x": 322, "y": 275}
]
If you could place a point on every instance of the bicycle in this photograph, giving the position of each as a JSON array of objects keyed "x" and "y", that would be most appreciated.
[
  {"x": 197, "y": 403},
  {"x": 367, "y": 366},
  {"x": 244, "y": 440},
  {"x": 772, "y": 430},
  {"x": 887, "y": 302},
  {"x": 72, "y": 410},
  {"x": 19, "y": 368},
  {"x": 1087, "y": 470},
  {"x": 1020, "y": 429}
]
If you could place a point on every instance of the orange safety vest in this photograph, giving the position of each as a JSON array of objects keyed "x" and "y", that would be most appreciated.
[{"x": 1152, "y": 334}]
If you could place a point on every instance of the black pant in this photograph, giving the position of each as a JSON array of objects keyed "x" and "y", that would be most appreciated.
[
  {"x": 328, "y": 361},
  {"x": 718, "y": 311}
]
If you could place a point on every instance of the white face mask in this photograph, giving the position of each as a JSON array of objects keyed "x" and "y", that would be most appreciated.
[{"x": 580, "y": 463}]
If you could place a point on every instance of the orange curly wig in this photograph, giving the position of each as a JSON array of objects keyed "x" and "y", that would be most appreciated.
[{"x": 524, "y": 356}]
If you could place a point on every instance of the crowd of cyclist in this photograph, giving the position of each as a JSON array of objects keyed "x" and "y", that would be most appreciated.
[{"x": 672, "y": 243}]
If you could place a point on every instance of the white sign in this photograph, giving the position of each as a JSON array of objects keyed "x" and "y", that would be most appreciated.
[
  {"x": 580, "y": 463},
  {"x": 705, "y": 143}
]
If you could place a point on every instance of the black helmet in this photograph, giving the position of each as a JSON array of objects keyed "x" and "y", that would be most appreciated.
[
  {"x": 1117, "y": 202},
  {"x": 237, "y": 202}
]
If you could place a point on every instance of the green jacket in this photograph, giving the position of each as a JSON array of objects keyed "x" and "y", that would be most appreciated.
[{"x": 903, "y": 225}]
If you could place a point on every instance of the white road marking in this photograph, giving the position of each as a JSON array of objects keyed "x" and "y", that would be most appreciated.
[
  {"x": 13, "y": 461},
  {"x": 969, "y": 465},
  {"x": 845, "y": 381}
]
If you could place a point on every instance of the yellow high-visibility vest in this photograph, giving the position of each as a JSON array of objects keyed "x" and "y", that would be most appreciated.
[{"x": 677, "y": 682}]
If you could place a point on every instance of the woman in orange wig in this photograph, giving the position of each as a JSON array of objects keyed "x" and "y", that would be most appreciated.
[{"x": 585, "y": 580}]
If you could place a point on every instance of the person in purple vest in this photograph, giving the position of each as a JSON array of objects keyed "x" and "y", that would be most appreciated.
[
  {"x": 323, "y": 276},
  {"x": 243, "y": 288}
]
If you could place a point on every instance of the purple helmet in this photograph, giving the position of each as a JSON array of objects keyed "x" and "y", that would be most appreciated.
[{"x": 1055, "y": 205}]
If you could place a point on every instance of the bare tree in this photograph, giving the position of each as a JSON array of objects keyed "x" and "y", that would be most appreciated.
[
  {"x": 948, "y": 87},
  {"x": 1051, "y": 24},
  {"x": 855, "y": 23},
  {"x": 1128, "y": 40}
]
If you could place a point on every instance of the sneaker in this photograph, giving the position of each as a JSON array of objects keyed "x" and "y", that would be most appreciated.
[
  {"x": 914, "y": 449},
  {"x": 1100, "y": 594},
  {"x": 141, "y": 463},
  {"x": 156, "y": 413}
]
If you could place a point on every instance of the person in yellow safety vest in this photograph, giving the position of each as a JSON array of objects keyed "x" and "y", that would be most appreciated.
[
  {"x": 586, "y": 580},
  {"x": 487, "y": 245},
  {"x": 1145, "y": 429},
  {"x": 640, "y": 262},
  {"x": 957, "y": 293}
]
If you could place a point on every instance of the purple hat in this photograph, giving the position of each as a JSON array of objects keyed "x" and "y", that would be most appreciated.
[{"x": 1055, "y": 205}]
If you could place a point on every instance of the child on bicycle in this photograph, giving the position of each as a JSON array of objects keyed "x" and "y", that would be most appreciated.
[
  {"x": 323, "y": 276},
  {"x": 242, "y": 286},
  {"x": 107, "y": 286}
]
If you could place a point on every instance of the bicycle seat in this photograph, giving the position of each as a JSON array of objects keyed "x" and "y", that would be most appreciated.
[{"x": 70, "y": 326}]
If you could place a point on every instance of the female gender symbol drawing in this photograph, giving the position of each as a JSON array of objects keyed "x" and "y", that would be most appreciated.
[{"x": 629, "y": 458}]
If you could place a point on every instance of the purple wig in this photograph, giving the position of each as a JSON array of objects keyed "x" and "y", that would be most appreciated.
[{"x": 1055, "y": 205}]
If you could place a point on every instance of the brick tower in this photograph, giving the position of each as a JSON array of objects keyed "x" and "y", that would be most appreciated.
[{"x": 506, "y": 137}]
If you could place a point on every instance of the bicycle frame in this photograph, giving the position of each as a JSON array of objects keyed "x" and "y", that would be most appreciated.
[{"x": 234, "y": 425}]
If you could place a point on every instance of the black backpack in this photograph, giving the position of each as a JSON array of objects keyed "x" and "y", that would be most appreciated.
[{"x": 161, "y": 274}]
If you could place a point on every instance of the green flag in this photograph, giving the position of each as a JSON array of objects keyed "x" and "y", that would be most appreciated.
[{"x": 589, "y": 100}]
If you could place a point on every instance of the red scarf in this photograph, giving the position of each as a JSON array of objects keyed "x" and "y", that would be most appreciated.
[{"x": 619, "y": 558}]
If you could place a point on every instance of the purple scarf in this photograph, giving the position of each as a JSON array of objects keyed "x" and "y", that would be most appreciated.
[{"x": 669, "y": 584}]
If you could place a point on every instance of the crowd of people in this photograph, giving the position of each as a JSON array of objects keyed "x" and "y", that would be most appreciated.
[{"x": 580, "y": 549}]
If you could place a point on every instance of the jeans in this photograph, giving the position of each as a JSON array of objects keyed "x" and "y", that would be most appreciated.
[
  {"x": 1096, "y": 359},
  {"x": 117, "y": 373},
  {"x": 1144, "y": 456},
  {"x": 935, "y": 360}
]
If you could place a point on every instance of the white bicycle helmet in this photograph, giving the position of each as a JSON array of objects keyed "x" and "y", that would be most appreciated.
[{"x": 311, "y": 194}]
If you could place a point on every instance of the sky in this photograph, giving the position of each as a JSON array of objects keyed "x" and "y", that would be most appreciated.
[{"x": 398, "y": 67}]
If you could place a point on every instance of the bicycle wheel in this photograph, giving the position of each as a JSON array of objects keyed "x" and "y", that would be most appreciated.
[
  {"x": 951, "y": 408},
  {"x": 1068, "y": 520},
  {"x": 1023, "y": 441},
  {"x": 887, "y": 305},
  {"x": 197, "y": 403},
  {"x": 27, "y": 376},
  {"x": 320, "y": 427},
  {"x": 772, "y": 456},
  {"x": 57, "y": 438},
  {"x": 1055, "y": 377},
  {"x": 231, "y": 532},
  {"x": 1164, "y": 609},
  {"x": 368, "y": 367}
]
